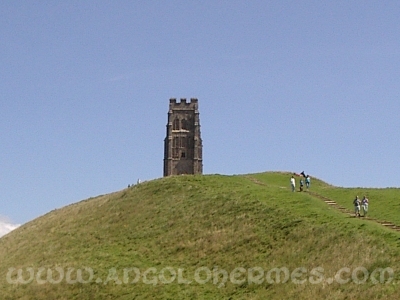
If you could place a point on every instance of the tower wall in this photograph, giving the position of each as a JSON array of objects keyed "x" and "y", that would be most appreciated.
[{"x": 183, "y": 144}]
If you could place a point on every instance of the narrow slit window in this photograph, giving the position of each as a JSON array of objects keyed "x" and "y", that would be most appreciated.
[{"x": 175, "y": 125}]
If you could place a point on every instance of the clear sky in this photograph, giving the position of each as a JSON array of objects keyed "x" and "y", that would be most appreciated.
[{"x": 282, "y": 86}]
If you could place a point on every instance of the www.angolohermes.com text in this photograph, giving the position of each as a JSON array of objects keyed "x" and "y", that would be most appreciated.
[{"x": 202, "y": 275}]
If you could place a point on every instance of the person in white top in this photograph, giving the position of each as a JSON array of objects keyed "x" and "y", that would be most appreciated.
[
  {"x": 364, "y": 205},
  {"x": 293, "y": 183}
]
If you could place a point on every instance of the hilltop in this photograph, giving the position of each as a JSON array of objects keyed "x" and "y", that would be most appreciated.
[{"x": 208, "y": 237}]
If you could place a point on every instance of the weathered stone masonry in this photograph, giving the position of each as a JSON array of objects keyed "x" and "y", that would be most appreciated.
[{"x": 183, "y": 145}]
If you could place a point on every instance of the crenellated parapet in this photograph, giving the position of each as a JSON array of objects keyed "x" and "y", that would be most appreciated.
[{"x": 183, "y": 104}]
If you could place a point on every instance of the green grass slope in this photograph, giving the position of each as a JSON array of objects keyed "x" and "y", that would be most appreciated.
[{"x": 207, "y": 237}]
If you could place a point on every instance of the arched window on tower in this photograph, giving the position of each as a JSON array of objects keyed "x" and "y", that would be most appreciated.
[
  {"x": 175, "y": 125},
  {"x": 184, "y": 124},
  {"x": 182, "y": 142},
  {"x": 175, "y": 147}
]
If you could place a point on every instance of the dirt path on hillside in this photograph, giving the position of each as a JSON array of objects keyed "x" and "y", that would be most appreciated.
[{"x": 333, "y": 204}]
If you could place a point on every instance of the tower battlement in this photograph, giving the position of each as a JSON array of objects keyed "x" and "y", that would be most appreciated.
[{"x": 183, "y": 104}]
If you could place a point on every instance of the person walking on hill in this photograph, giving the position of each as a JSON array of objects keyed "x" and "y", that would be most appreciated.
[
  {"x": 301, "y": 185},
  {"x": 293, "y": 183},
  {"x": 357, "y": 203},
  {"x": 308, "y": 181},
  {"x": 364, "y": 205}
]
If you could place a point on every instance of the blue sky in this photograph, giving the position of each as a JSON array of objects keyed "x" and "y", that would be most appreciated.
[{"x": 282, "y": 86}]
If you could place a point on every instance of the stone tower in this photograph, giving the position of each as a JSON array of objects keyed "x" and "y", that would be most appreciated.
[{"x": 183, "y": 145}]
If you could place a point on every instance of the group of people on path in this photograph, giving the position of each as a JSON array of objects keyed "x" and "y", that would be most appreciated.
[
  {"x": 360, "y": 205},
  {"x": 307, "y": 181}
]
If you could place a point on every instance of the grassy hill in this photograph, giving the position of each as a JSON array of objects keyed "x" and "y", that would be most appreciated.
[{"x": 208, "y": 237}]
